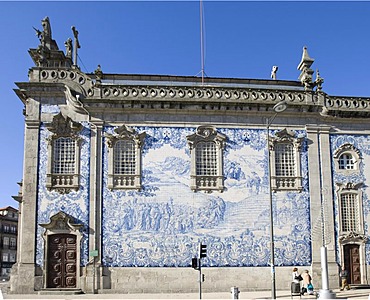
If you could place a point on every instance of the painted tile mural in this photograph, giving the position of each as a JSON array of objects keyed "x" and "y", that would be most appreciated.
[
  {"x": 361, "y": 143},
  {"x": 162, "y": 224},
  {"x": 74, "y": 203}
]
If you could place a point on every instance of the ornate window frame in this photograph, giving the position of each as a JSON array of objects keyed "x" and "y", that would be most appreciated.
[
  {"x": 125, "y": 181},
  {"x": 208, "y": 183},
  {"x": 63, "y": 127},
  {"x": 284, "y": 182},
  {"x": 352, "y": 237},
  {"x": 354, "y": 189},
  {"x": 347, "y": 149}
]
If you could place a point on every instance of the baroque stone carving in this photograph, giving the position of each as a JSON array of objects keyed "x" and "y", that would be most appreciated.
[
  {"x": 345, "y": 148},
  {"x": 349, "y": 186},
  {"x": 62, "y": 126},
  {"x": 286, "y": 135},
  {"x": 353, "y": 238},
  {"x": 61, "y": 222},
  {"x": 69, "y": 47},
  {"x": 206, "y": 133},
  {"x": 125, "y": 132}
]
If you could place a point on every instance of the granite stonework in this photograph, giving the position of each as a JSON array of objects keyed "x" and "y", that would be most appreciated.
[{"x": 143, "y": 239}]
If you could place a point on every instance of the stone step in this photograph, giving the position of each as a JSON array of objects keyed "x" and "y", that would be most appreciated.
[{"x": 59, "y": 291}]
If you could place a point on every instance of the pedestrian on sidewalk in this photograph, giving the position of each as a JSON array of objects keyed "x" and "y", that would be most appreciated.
[
  {"x": 307, "y": 283},
  {"x": 343, "y": 274}
]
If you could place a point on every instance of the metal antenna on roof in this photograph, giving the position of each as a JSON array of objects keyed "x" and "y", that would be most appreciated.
[{"x": 202, "y": 40}]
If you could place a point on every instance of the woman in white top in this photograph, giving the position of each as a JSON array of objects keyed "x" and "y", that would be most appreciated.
[{"x": 295, "y": 275}]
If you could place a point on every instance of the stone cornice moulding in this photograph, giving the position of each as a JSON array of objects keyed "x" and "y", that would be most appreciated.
[{"x": 263, "y": 93}]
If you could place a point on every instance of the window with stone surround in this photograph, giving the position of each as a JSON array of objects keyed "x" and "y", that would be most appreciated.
[
  {"x": 349, "y": 212},
  {"x": 64, "y": 146},
  {"x": 206, "y": 147},
  {"x": 347, "y": 159},
  {"x": 124, "y": 158},
  {"x": 350, "y": 209},
  {"x": 285, "y": 161}
]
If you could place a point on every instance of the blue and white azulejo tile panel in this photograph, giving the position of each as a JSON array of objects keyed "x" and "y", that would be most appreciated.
[
  {"x": 162, "y": 224},
  {"x": 362, "y": 144},
  {"x": 75, "y": 203}
]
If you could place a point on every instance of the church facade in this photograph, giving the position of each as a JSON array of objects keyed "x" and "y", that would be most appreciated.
[{"x": 124, "y": 176}]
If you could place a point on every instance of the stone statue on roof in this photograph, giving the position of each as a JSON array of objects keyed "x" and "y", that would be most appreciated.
[
  {"x": 69, "y": 47},
  {"x": 44, "y": 36}
]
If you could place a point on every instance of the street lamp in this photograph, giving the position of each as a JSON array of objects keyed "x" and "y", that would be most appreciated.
[{"x": 278, "y": 108}]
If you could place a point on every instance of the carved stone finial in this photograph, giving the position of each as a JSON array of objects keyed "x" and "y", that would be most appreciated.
[{"x": 306, "y": 72}]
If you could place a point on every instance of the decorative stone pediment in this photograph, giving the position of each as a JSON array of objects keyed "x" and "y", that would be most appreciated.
[
  {"x": 286, "y": 136},
  {"x": 62, "y": 126},
  {"x": 347, "y": 148},
  {"x": 61, "y": 222},
  {"x": 127, "y": 133},
  {"x": 349, "y": 186},
  {"x": 353, "y": 238},
  {"x": 206, "y": 133}
]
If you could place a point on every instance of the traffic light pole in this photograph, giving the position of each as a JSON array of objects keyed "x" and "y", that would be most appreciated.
[{"x": 196, "y": 264}]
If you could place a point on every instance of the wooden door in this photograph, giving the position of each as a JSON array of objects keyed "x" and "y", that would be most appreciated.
[
  {"x": 62, "y": 261},
  {"x": 352, "y": 263}
]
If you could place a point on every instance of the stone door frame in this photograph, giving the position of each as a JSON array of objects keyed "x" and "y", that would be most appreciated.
[{"x": 61, "y": 224}]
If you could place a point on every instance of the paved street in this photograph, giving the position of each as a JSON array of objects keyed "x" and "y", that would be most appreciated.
[{"x": 352, "y": 294}]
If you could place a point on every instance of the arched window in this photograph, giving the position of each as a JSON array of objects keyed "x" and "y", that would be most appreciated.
[
  {"x": 347, "y": 158},
  {"x": 206, "y": 147},
  {"x": 124, "y": 158},
  {"x": 346, "y": 162}
]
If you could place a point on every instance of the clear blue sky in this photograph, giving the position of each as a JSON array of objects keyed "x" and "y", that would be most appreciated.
[{"x": 242, "y": 40}]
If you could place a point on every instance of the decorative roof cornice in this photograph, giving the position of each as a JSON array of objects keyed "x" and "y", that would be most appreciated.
[{"x": 186, "y": 93}]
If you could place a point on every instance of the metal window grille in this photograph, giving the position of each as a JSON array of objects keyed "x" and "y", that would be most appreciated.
[
  {"x": 285, "y": 160},
  {"x": 64, "y": 156},
  {"x": 349, "y": 212},
  {"x": 206, "y": 159},
  {"x": 124, "y": 157},
  {"x": 346, "y": 162}
]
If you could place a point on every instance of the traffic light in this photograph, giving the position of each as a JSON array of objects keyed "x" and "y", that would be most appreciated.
[
  {"x": 195, "y": 263},
  {"x": 202, "y": 250}
]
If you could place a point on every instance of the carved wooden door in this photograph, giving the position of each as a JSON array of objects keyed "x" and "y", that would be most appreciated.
[
  {"x": 62, "y": 261},
  {"x": 352, "y": 263}
]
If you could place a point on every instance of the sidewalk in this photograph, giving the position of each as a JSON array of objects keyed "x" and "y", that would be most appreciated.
[{"x": 351, "y": 294}]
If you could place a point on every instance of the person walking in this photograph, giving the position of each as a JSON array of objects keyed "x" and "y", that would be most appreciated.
[
  {"x": 307, "y": 283},
  {"x": 343, "y": 274}
]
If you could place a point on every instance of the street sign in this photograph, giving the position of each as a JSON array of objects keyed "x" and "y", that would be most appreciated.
[{"x": 94, "y": 253}]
